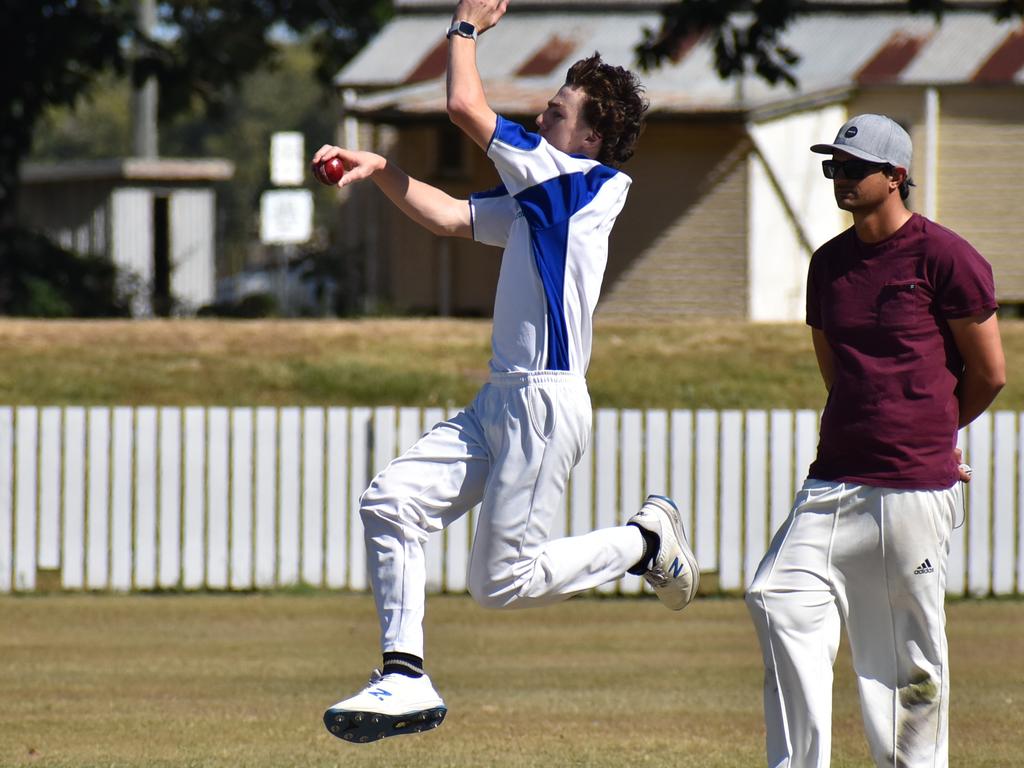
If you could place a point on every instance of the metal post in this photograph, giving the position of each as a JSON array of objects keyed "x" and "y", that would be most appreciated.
[
  {"x": 931, "y": 152},
  {"x": 144, "y": 98}
]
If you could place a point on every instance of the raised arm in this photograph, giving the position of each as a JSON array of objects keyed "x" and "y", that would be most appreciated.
[
  {"x": 467, "y": 103},
  {"x": 428, "y": 206},
  {"x": 977, "y": 338}
]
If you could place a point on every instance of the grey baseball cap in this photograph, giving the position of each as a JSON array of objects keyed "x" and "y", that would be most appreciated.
[{"x": 875, "y": 138}]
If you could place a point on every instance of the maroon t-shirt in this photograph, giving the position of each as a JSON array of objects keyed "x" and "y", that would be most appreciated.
[{"x": 892, "y": 413}]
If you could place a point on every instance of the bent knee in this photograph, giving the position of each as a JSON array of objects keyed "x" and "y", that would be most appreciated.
[
  {"x": 368, "y": 511},
  {"x": 493, "y": 591},
  {"x": 489, "y": 596},
  {"x": 379, "y": 514}
]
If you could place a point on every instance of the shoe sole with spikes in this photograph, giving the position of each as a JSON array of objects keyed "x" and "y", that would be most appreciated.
[{"x": 364, "y": 727}]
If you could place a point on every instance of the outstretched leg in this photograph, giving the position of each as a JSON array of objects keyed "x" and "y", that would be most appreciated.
[
  {"x": 538, "y": 426},
  {"x": 428, "y": 487}
]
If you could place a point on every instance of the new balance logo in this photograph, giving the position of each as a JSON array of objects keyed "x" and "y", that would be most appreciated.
[
  {"x": 380, "y": 693},
  {"x": 925, "y": 567},
  {"x": 676, "y": 568}
]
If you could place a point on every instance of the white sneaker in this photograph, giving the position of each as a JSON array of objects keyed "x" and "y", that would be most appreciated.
[
  {"x": 674, "y": 573},
  {"x": 390, "y": 705}
]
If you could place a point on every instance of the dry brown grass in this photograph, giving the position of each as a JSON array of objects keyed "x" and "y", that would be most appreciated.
[
  {"x": 203, "y": 680},
  {"x": 694, "y": 364}
]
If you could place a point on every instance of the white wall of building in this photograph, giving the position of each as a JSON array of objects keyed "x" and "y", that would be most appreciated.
[
  {"x": 791, "y": 210},
  {"x": 193, "y": 222},
  {"x": 131, "y": 221},
  {"x": 192, "y": 235}
]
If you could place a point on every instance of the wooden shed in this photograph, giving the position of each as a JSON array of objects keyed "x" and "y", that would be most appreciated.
[{"x": 154, "y": 218}]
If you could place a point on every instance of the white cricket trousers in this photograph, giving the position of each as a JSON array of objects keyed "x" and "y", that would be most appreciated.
[
  {"x": 874, "y": 561},
  {"x": 511, "y": 451}
]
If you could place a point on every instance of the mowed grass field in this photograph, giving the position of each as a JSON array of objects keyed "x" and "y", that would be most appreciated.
[
  {"x": 242, "y": 680},
  {"x": 425, "y": 362}
]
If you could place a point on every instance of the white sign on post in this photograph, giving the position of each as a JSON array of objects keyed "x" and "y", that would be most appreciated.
[
  {"x": 287, "y": 159},
  {"x": 286, "y": 216}
]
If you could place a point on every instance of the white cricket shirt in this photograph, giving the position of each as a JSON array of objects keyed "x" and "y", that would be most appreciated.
[{"x": 553, "y": 214}]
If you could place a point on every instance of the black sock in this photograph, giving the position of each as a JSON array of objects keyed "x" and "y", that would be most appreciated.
[
  {"x": 651, "y": 544},
  {"x": 402, "y": 664}
]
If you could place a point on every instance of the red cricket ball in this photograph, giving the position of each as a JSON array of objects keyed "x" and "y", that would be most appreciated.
[{"x": 329, "y": 171}]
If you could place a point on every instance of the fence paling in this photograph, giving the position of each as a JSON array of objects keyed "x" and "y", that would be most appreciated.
[
  {"x": 241, "y": 546},
  {"x": 97, "y": 498},
  {"x": 359, "y": 477},
  {"x": 1020, "y": 505},
  {"x": 730, "y": 522},
  {"x": 979, "y": 543},
  {"x": 73, "y": 540},
  {"x": 6, "y": 497},
  {"x": 140, "y": 498},
  {"x": 145, "y": 498},
  {"x": 313, "y": 496},
  {"x": 26, "y": 438},
  {"x": 705, "y": 545},
  {"x": 169, "y": 535},
  {"x": 217, "y": 506},
  {"x": 193, "y": 501},
  {"x": 630, "y": 478},
  {"x": 121, "y": 487},
  {"x": 265, "y": 574},
  {"x": 288, "y": 489},
  {"x": 1003, "y": 488},
  {"x": 49, "y": 488},
  {"x": 605, "y": 462},
  {"x": 755, "y": 502}
]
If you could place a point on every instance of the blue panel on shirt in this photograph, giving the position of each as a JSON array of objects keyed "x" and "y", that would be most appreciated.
[
  {"x": 548, "y": 207},
  {"x": 498, "y": 191},
  {"x": 559, "y": 198},
  {"x": 549, "y": 249},
  {"x": 514, "y": 135}
]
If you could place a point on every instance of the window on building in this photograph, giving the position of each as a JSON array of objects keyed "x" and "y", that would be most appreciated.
[{"x": 452, "y": 159}]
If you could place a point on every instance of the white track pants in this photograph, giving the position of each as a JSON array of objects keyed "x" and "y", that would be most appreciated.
[
  {"x": 872, "y": 560},
  {"x": 511, "y": 451}
]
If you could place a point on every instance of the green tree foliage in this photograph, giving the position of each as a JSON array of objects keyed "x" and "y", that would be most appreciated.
[
  {"x": 284, "y": 96},
  {"x": 49, "y": 53},
  {"x": 40, "y": 279},
  {"x": 98, "y": 125},
  {"x": 52, "y": 50},
  {"x": 225, "y": 81},
  {"x": 746, "y": 33}
]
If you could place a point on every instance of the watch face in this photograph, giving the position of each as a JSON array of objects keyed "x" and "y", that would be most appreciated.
[{"x": 462, "y": 29}]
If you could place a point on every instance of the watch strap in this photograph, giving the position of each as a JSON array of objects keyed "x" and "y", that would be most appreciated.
[{"x": 462, "y": 29}]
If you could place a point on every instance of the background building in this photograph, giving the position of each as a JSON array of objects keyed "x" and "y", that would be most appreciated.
[
  {"x": 727, "y": 202},
  {"x": 155, "y": 218}
]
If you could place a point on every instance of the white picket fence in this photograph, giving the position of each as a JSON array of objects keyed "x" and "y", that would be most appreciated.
[{"x": 255, "y": 498}]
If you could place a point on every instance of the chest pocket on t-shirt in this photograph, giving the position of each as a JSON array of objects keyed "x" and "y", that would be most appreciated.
[{"x": 901, "y": 304}]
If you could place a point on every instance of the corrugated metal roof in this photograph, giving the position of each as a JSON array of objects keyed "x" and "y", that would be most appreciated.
[
  {"x": 838, "y": 51},
  {"x": 957, "y": 50},
  {"x": 1007, "y": 61}
]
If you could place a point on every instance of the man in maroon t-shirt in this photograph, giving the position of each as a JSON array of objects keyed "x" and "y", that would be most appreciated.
[{"x": 902, "y": 316}]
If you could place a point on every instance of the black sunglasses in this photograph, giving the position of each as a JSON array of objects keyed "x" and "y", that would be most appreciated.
[{"x": 854, "y": 170}]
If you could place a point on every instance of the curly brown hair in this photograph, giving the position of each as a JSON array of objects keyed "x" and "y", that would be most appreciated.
[{"x": 614, "y": 106}]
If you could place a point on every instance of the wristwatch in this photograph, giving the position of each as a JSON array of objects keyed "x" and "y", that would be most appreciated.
[{"x": 462, "y": 29}]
